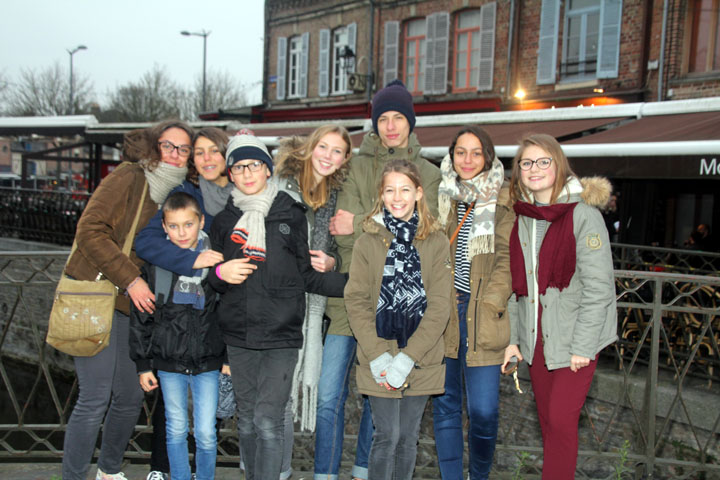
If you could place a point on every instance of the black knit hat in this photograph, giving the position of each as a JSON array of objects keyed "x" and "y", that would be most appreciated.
[{"x": 394, "y": 97}]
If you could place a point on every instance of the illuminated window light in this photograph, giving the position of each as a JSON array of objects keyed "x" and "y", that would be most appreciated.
[{"x": 599, "y": 90}]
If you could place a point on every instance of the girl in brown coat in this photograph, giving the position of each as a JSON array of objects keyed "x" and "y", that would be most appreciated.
[
  {"x": 397, "y": 300},
  {"x": 474, "y": 195}
]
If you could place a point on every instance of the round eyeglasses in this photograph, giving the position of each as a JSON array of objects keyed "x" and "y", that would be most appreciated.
[
  {"x": 168, "y": 147},
  {"x": 542, "y": 163}
]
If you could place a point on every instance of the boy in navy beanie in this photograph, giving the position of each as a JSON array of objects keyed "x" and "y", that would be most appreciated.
[{"x": 394, "y": 97}]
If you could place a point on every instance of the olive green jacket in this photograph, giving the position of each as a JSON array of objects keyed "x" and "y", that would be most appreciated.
[{"x": 359, "y": 194}]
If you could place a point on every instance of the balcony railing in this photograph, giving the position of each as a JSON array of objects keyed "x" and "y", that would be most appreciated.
[{"x": 652, "y": 412}]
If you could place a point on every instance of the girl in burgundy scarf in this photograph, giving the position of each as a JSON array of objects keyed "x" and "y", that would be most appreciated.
[{"x": 562, "y": 311}]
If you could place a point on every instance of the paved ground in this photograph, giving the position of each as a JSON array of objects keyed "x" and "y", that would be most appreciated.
[{"x": 51, "y": 471}]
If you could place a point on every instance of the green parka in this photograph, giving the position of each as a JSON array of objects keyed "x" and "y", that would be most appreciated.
[
  {"x": 425, "y": 345},
  {"x": 582, "y": 318}
]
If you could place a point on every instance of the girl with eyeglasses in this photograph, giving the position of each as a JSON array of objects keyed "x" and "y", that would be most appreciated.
[
  {"x": 263, "y": 236},
  {"x": 156, "y": 160},
  {"x": 477, "y": 216},
  {"x": 562, "y": 311}
]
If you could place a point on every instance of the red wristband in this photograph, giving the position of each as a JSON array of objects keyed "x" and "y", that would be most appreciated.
[{"x": 217, "y": 271}]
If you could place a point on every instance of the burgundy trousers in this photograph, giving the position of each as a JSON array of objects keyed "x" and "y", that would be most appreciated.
[{"x": 559, "y": 396}]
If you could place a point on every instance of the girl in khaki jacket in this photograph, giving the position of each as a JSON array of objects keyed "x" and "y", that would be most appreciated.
[
  {"x": 397, "y": 300},
  {"x": 476, "y": 212}
]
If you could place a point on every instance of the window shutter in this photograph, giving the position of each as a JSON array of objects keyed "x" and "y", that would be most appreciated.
[
  {"x": 487, "y": 46},
  {"x": 436, "y": 52},
  {"x": 352, "y": 37},
  {"x": 281, "y": 65},
  {"x": 324, "y": 64},
  {"x": 609, "y": 41},
  {"x": 390, "y": 58},
  {"x": 304, "y": 64},
  {"x": 547, "y": 43}
]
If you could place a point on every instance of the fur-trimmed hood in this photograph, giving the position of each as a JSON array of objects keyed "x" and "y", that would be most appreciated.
[
  {"x": 288, "y": 165},
  {"x": 596, "y": 191}
]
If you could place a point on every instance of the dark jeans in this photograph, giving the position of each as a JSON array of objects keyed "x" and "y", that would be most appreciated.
[
  {"x": 262, "y": 380},
  {"x": 397, "y": 428},
  {"x": 158, "y": 455},
  {"x": 108, "y": 388},
  {"x": 482, "y": 387}
]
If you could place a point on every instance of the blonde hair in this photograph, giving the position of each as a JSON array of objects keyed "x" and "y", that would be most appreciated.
[
  {"x": 518, "y": 192},
  {"x": 427, "y": 224},
  {"x": 315, "y": 196}
]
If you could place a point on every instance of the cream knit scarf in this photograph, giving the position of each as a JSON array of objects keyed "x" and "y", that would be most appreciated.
[
  {"x": 249, "y": 231},
  {"x": 162, "y": 179},
  {"x": 483, "y": 189}
]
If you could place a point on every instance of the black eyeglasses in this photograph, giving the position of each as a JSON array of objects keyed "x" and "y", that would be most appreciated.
[
  {"x": 239, "y": 169},
  {"x": 542, "y": 163},
  {"x": 168, "y": 147}
]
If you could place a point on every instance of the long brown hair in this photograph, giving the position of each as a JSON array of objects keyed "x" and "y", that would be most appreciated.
[
  {"x": 301, "y": 150},
  {"x": 427, "y": 223},
  {"x": 142, "y": 145},
  {"x": 219, "y": 138},
  {"x": 553, "y": 148}
]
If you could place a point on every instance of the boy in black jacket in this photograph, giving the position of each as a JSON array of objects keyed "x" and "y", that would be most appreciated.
[
  {"x": 182, "y": 341},
  {"x": 262, "y": 234}
]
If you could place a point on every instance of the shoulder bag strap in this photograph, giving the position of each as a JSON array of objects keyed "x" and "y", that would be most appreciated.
[
  {"x": 457, "y": 230},
  {"x": 131, "y": 234}
]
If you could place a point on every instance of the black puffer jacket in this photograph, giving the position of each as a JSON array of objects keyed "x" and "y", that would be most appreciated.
[
  {"x": 266, "y": 311},
  {"x": 176, "y": 338}
]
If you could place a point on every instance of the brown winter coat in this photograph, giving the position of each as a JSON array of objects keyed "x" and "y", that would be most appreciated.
[
  {"x": 102, "y": 229},
  {"x": 487, "y": 322},
  {"x": 425, "y": 346}
]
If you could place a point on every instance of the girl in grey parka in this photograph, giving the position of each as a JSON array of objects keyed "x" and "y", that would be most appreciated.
[{"x": 562, "y": 311}]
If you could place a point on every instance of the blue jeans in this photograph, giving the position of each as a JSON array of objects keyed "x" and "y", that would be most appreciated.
[
  {"x": 333, "y": 388},
  {"x": 482, "y": 390},
  {"x": 204, "y": 388}
]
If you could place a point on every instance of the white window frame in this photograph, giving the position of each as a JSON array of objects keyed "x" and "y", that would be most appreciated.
[
  {"x": 582, "y": 14},
  {"x": 342, "y": 37},
  {"x": 294, "y": 59}
]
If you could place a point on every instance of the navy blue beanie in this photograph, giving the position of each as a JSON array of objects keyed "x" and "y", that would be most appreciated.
[{"x": 394, "y": 97}]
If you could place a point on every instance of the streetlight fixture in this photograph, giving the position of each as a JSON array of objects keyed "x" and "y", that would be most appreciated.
[
  {"x": 71, "y": 108},
  {"x": 204, "y": 34}
]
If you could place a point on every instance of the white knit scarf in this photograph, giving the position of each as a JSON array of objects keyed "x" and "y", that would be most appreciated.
[
  {"x": 164, "y": 178},
  {"x": 483, "y": 189},
  {"x": 249, "y": 230}
]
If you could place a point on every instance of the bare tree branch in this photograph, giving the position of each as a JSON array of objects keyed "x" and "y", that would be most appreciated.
[
  {"x": 223, "y": 92},
  {"x": 154, "y": 97}
]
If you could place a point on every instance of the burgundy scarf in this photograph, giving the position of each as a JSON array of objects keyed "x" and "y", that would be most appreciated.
[{"x": 557, "y": 253}]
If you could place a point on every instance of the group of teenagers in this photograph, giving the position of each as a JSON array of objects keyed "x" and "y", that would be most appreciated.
[{"x": 285, "y": 273}]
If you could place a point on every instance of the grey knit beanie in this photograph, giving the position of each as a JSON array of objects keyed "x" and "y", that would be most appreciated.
[{"x": 247, "y": 147}]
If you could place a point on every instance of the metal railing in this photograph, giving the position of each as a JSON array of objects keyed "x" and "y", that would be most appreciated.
[
  {"x": 656, "y": 389},
  {"x": 659, "y": 259},
  {"x": 38, "y": 215}
]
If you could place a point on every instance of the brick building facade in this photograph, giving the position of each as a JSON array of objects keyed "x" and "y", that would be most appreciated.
[{"x": 325, "y": 59}]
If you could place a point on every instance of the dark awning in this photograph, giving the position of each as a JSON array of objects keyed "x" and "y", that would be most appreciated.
[
  {"x": 660, "y": 128},
  {"x": 510, "y": 133}
]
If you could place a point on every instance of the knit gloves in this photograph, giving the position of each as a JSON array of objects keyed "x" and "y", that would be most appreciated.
[
  {"x": 396, "y": 369},
  {"x": 380, "y": 365},
  {"x": 400, "y": 368}
]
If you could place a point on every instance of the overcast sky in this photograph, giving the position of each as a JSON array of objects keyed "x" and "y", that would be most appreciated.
[{"x": 126, "y": 38}]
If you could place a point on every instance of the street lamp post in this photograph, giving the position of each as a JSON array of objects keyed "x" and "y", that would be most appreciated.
[
  {"x": 71, "y": 107},
  {"x": 204, "y": 34}
]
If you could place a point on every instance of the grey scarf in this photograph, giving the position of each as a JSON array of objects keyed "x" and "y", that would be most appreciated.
[
  {"x": 249, "y": 231},
  {"x": 164, "y": 178},
  {"x": 214, "y": 196}
]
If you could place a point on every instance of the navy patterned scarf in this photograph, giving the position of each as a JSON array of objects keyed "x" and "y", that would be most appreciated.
[{"x": 402, "y": 300}]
